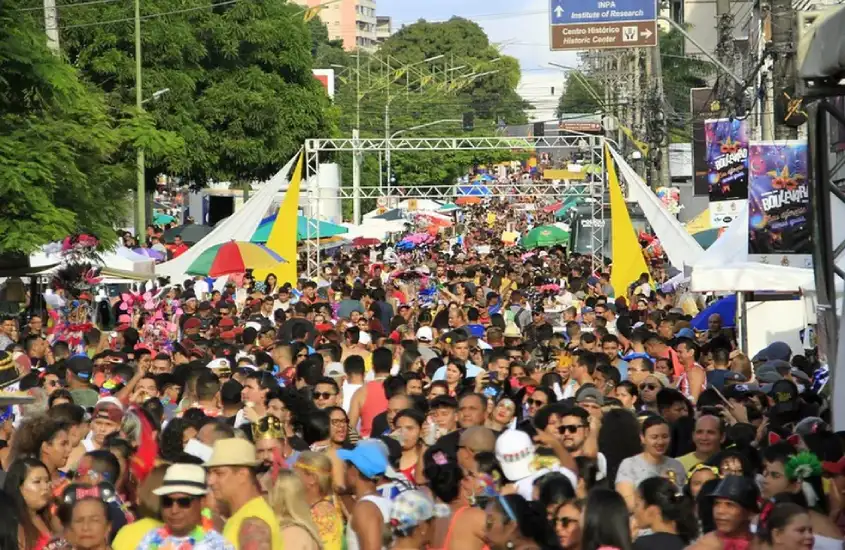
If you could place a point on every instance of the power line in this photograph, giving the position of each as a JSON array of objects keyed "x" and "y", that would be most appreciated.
[
  {"x": 62, "y": 6},
  {"x": 143, "y": 17}
]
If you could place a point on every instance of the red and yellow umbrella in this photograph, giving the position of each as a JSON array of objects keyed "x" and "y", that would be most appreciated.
[{"x": 234, "y": 257}]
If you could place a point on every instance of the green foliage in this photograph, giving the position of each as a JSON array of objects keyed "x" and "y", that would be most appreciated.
[
  {"x": 680, "y": 73},
  {"x": 576, "y": 98},
  {"x": 64, "y": 157},
  {"x": 428, "y": 92},
  {"x": 242, "y": 95}
]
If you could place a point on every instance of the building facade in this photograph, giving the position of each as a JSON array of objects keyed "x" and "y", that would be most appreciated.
[
  {"x": 352, "y": 21},
  {"x": 384, "y": 28}
]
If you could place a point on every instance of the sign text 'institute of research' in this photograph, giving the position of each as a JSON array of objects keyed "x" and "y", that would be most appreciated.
[{"x": 601, "y": 24}]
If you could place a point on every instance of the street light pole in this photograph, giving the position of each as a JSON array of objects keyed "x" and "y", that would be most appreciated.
[
  {"x": 388, "y": 138},
  {"x": 140, "y": 202}
]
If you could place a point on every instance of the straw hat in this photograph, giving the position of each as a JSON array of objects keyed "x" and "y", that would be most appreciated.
[
  {"x": 188, "y": 479},
  {"x": 232, "y": 452}
]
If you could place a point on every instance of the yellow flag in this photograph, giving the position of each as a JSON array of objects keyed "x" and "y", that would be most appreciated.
[
  {"x": 311, "y": 13},
  {"x": 282, "y": 239},
  {"x": 628, "y": 261}
]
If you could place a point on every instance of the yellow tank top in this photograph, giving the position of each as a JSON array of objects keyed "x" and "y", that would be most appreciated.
[{"x": 255, "y": 508}]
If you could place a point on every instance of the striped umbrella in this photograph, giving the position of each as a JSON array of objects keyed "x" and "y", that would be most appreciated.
[{"x": 234, "y": 257}]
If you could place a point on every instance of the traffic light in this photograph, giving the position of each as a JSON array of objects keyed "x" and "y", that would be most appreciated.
[{"x": 469, "y": 122}]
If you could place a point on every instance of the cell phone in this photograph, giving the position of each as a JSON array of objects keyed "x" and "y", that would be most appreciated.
[{"x": 492, "y": 392}]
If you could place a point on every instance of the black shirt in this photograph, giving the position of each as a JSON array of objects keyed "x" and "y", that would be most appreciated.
[{"x": 659, "y": 541}]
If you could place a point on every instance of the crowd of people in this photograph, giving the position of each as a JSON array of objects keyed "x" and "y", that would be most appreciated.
[{"x": 462, "y": 396}]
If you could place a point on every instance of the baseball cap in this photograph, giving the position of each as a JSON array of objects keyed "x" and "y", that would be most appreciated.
[
  {"x": 81, "y": 366},
  {"x": 366, "y": 458},
  {"x": 589, "y": 395},
  {"x": 735, "y": 377},
  {"x": 515, "y": 453},
  {"x": 425, "y": 334},
  {"x": 785, "y": 395},
  {"x": 685, "y": 333},
  {"x": 410, "y": 508},
  {"x": 227, "y": 323},
  {"x": 585, "y": 310},
  {"x": 775, "y": 350},
  {"x": 334, "y": 369},
  {"x": 204, "y": 306},
  {"x": 193, "y": 322},
  {"x": 109, "y": 408}
]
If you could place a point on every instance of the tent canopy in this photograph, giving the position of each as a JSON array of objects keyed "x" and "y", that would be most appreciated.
[
  {"x": 725, "y": 267},
  {"x": 305, "y": 228},
  {"x": 240, "y": 226},
  {"x": 679, "y": 245}
]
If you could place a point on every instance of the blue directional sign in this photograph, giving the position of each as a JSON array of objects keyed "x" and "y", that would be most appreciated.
[
  {"x": 568, "y": 12},
  {"x": 602, "y": 24}
]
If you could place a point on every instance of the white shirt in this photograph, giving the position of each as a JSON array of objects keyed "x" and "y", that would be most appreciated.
[
  {"x": 525, "y": 486},
  {"x": 348, "y": 391},
  {"x": 201, "y": 288}
]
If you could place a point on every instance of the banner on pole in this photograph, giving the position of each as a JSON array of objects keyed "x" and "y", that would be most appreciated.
[
  {"x": 727, "y": 168},
  {"x": 779, "y": 230}
]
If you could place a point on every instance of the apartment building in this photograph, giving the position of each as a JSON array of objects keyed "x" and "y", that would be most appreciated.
[
  {"x": 384, "y": 28},
  {"x": 353, "y": 21}
]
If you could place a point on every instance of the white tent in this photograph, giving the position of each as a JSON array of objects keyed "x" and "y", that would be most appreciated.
[
  {"x": 422, "y": 205},
  {"x": 240, "y": 226},
  {"x": 374, "y": 229},
  {"x": 681, "y": 249},
  {"x": 724, "y": 267},
  {"x": 120, "y": 259}
]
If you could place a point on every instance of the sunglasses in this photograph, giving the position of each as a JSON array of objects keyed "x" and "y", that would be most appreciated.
[
  {"x": 323, "y": 395},
  {"x": 181, "y": 502},
  {"x": 570, "y": 428},
  {"x": 649, "y": 387},
  {"x": 566, "y": 522},
  {"x": 536, "y": 402}
]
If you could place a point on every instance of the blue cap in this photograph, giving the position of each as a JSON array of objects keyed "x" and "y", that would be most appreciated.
[
  {"x": 685, "y": 333},
  {"x": 368, "y": 459}
]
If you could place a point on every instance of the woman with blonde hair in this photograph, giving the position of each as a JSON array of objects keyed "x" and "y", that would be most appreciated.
[
  {"x": 285, "y": 498},
  {"x": 315, "y": 472}
]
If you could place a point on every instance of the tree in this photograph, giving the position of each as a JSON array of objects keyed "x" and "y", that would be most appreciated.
[
  {"x": 62, "y": 151},
  {"x": 680, "y": 74},
  {"x": 576, "y": 97},
  {"x": 417, "y": 98},
  {"x": 241, "y": 91}
]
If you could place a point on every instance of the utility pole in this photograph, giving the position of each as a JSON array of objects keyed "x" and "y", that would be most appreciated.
[
  {"x": 51, "y": 23},
  {"x": 664, "y": 177},
  {"x": 725, "y": 89},
  {"x": 783, "y": 45},
  {"x": 140, "y": 195},
  {"x": 356, "y": 154}
]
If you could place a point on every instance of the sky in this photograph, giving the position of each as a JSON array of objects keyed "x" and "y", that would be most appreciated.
[{"x": 521, "y": 29}]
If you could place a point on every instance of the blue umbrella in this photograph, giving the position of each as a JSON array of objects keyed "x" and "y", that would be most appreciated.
[{"x": 725, "y": 307}]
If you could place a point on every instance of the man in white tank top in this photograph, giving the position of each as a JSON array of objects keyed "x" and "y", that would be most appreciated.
[
  {"x": 365, "y": 465},
  {"x": 353, "y": 367}
]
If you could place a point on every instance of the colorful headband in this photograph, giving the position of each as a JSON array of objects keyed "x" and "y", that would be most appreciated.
[
  {"x": 793, "y": 439},
  {"x": 76, "y": 492},
  {"x": 309, "y": 468},
  {"x": 699, "y": 467}
]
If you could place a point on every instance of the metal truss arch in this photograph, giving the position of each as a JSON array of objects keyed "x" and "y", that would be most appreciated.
[{"x": 594, "y": 186}]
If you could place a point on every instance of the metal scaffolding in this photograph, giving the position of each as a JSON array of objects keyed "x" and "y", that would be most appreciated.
[{"x": 591, "y": 146}]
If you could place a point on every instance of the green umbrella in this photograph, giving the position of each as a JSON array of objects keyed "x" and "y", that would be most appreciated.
[
  {"x": 318, "y": 230},
  {"x": 566, "y": 206},
  {"x": 545, "y": 235},
  {"x": 449, "y": 207}
]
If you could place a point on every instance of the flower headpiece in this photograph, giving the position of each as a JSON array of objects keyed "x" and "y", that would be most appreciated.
[{"x": 803, "y": 466}]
